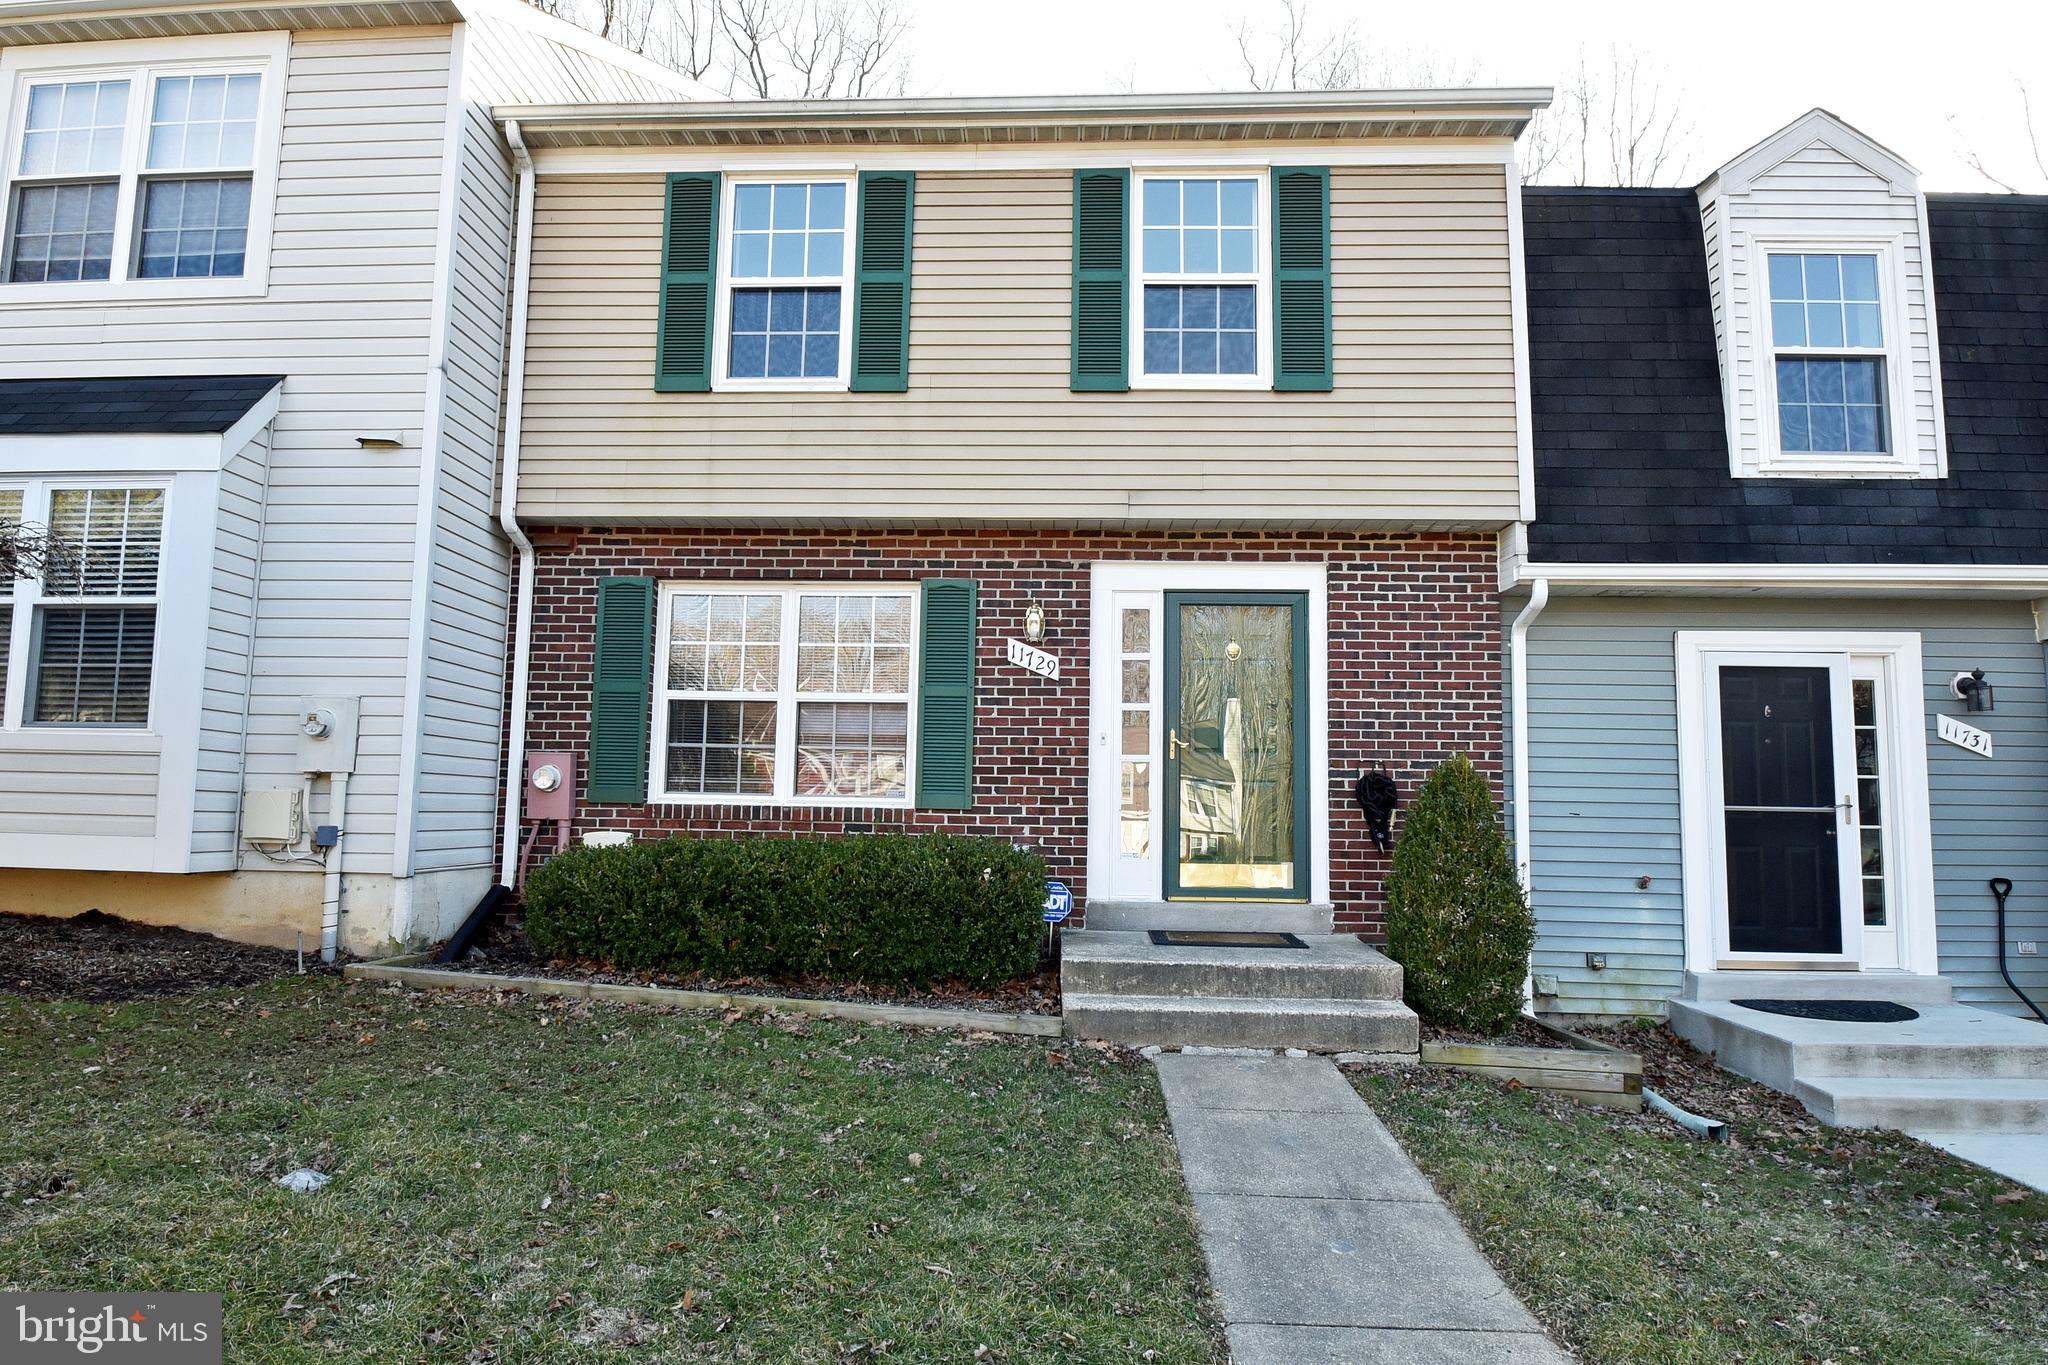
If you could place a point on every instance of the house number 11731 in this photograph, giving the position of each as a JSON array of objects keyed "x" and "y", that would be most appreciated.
[{"x": 1966, "y": 736}]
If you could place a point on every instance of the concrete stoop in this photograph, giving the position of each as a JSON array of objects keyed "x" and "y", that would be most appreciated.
[
  {"x": 1954, "y": 1069},
  {"x": 1337, "y": 995}
]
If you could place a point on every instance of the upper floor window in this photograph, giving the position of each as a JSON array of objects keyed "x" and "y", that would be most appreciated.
[
  {"x": 1828, "y": 352},
  {"x": 83, "y": 616},
  {"x": 1200, "y": 280},
  {"x": 787, "y": 247},
  {"x": 149, "y": 168}
]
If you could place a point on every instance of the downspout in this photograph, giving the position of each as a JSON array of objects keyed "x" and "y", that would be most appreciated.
[
  {"x": 1518, "y": 724},
  {"x": 508, "y": 507}
]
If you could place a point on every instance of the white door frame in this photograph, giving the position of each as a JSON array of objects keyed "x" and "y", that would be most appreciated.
[
  {"x": 1155, "y": 579},
  {"x": 1894, "y": 658}
]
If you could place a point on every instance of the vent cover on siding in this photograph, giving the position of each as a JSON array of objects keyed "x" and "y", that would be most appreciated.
[
  {"x": 689, "y": 255},
  {"x": 1301, "y": 278},
  {"x": 881, "y": 289},
  {"x": 1102, "y": 291}
]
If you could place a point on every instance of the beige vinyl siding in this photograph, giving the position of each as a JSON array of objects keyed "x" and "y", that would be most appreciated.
[
  {"x": 1419, "y": 429},
  {"x": 230, "y": 648},
  {"x": 345, "y": 321},
  {"x": 75, "y": 792}
]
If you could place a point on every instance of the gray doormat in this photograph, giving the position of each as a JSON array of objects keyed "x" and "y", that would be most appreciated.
[
  {"x": 1222, "y": 938},
  {"x": 1835, "y": 1011}
]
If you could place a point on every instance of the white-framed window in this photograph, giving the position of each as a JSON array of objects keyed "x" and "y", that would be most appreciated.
[
  {"x": 773, "y": 693},
  {"x": 80, "y": 625},
  {"x": 142, "y": 169},
  {"x": 1832, "y": 372},
  {"x": 1201, "y": 307},
  {"x": 785, "y": 262}
]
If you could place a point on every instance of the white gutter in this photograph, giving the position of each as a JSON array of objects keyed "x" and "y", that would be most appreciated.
[
  {"x": 2021, "y": 580},
  {"x": 508, "y": 509},
  {"x": 1518, "y": 702}
]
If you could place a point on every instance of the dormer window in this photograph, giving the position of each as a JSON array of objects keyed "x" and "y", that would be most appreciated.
[{"x": 1828, "y": 345}]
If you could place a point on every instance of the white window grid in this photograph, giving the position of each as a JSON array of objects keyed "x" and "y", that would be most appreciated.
[
  {"x": 1260, "y": 276},
  {"x": 729, "y": 187},
  {"x": 27, "y": 597},
  {"x": 141, "y": 64},
  {"x": 786, "y": 696},
  {"x": 1901, "y": 455}
]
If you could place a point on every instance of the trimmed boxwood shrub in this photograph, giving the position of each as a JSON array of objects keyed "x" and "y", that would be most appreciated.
[
  {"x": 1457, "y": 920},
  {"x": 899, "y": 909}
]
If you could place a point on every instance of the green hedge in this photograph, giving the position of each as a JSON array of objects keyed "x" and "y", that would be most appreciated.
[
  {"x": 901, "y": 909},
  {"x": 1457, "y": 920}
]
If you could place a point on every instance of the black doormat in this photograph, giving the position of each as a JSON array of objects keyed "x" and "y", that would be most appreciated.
[
  {"x": 1222, "y": 938},
  {"x": 1835, "y": 1011}
]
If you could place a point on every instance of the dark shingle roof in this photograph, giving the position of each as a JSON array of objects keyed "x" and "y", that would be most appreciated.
[
  {"x": 1631, "y": 447},
  {"x": 165, "y": 405}
]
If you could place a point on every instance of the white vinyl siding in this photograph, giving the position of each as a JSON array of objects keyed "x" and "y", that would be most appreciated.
[{"x": 230, "y": 651}]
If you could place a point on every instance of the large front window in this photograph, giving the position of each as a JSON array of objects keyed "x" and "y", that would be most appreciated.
[
  {"x": 137, "y": 172},
  {"x": 1828, "y": 349},
  {"x": 83, "y": 614},
  {"x": 785, "y": 694},
  {"x": 1199, "y": 278},
  {"x": 786, "y": 254}
]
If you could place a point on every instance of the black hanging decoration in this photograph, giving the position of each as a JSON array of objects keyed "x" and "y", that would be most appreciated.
[{"x": 1378, "y": 797}]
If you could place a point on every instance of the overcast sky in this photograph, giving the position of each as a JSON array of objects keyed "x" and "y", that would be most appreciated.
[{"x": 1930, "y": 81}]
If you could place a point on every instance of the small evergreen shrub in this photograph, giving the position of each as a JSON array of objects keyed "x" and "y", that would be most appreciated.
[
  {"x": 1457, "y": 920},
  {"x": 899, "y": 909}
]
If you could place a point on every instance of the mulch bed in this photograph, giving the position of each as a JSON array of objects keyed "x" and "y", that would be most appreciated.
[
  {"x": 1523, "y": 1034},
  {"x": 504, "y": 950},
  {"x": 1688, "y": 1078},
  {"x": 102, "y": 957}
]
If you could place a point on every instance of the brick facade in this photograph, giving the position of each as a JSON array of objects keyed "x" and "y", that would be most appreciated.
[{"x": 1415, "y": 667}]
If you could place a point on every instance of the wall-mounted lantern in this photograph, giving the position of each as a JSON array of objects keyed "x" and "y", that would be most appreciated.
[
  {"x": 1034, "y": 622},
  {"x": 1973, "y": 689}
]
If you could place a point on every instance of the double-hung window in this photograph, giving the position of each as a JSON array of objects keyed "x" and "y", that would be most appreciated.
[
  {"x": 1830, "y": 365},
  {"x": 148, "y": 175},
  {"x": 787, "y": 244},
  {"x": 79, "y": 644},
  {"x": 784, "y": 694},
  {"x": 1201, "y": 281}
]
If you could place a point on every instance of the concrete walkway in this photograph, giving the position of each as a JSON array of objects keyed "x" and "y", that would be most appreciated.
[{"x": 1325, "y": 1245}]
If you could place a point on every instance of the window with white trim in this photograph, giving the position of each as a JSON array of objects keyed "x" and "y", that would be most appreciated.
[
  {"x": 784, "y": 694},
  {"x": 142, "y": 170},
  {"x": 1829, "y": 360},
  {"x": 80, "y": 621},
  {"x": 1200, "y": 279},
  {"x": 787, "y": 244}
]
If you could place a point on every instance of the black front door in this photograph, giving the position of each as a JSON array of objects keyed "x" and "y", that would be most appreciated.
[{"x": 1778, "y": 792}]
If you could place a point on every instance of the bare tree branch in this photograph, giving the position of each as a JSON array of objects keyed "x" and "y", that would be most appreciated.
[
  {"x": 807, "y": 49},
  {"x": 2037, "y": 152},
  {"x": 1614, "y": 124}
]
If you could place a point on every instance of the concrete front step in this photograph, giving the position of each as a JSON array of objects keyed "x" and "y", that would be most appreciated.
[
  {"x": 1333, "y": 966},
  {"x": 1945, "y": 1041},
  {"x": 1316, "y": 1025},
  {"x": 1261, "y": 916},
  {"x": 1959, "y": 1105},
  {"x": 1901, "y": 987}
]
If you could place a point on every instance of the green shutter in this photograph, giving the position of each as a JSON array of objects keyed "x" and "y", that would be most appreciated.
[
  {"x": 622, "y": 662},
  {"x": 1301, "y": 278},
  {"x": 689, "y": 269},
  {"x": 945, "y": 696},
  {"x": 1102, "y": 283},
  {"x": 881, "y": 284}
]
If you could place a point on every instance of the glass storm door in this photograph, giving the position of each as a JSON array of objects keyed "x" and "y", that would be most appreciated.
[
  {"x": 1235, "y": 705},
  {"x": 1790, "y": 834}
]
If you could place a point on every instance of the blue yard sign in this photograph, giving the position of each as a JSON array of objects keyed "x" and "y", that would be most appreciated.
[{"x": 1059, "y": 902}]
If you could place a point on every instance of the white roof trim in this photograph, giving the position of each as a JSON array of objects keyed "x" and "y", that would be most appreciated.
[
  {"x": 2008, "y": 580},
  {"x": 1815, "y": 125}
]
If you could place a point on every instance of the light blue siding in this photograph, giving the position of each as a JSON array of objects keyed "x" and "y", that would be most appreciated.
[{"x": 1607, "y": 866}]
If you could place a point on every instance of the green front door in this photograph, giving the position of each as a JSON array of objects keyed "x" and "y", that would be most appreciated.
[{"x": 1236, "y": 694}]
